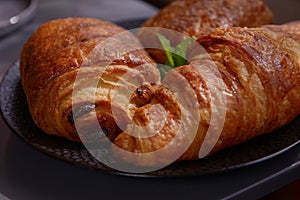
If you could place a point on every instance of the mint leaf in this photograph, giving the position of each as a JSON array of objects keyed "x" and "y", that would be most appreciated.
[
  {"x": 179, "y": 55},
  {"x": 176, "y": 56},
  {"x": 168, "y": 49},
  {"x": 163, "y": 69}
]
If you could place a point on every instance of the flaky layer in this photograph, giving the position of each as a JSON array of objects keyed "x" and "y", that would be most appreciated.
[
  {"x": 51, "y": 60},
  {"x": 251, "y": 74},
  {"x": 195, "y": 18}
]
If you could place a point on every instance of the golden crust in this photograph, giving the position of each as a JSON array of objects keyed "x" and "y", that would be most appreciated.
[
  {"x": 292, "y": 28},
  {"x": 194, "y": 18},
  {"x": 260, "y": 69},
  {"x": 49, "y": 64}
]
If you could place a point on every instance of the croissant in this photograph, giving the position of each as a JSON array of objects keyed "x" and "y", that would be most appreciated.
[
  {"x": 194, "y": 18},
  {"x": 49, "y": 64},
  {"x": 246, "y": 85}
]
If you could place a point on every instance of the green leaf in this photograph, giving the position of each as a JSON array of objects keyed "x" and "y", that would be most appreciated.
[
  {"x": 176, "y": 56},
  {"x": 164, "y": 70},
  {"x": 168, "y": 49},
  {"x": 179, "y": 56}
]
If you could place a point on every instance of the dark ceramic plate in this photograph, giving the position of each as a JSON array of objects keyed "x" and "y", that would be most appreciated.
[
  {"x": 14, "y": 13},
  {"x": 15, "y": 112}
]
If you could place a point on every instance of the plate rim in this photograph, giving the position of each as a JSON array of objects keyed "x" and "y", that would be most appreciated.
[{"x": 10, "y": 24}]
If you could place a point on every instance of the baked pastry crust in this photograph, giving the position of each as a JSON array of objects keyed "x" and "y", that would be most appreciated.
[
  {"x": 51, "y": 59},
  {"x": 195, "y": 18},
  {"x": 260, "y": 70}
]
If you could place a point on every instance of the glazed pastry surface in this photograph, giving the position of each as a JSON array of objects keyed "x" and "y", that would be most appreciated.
[
  {"x": 195, "y": 18},
  {"x": 50, "y": 62},
  {"x": 256, "y": 72}
]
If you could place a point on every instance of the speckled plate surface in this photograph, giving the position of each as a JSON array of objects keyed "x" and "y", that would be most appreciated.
[{"x": 16, "y": 114}]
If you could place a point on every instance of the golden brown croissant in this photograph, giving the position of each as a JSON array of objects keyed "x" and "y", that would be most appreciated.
[
  {"x": 49, "y": 64},
  {"x": 195, "y": 18},
  {"x": 247, "y": 84}
]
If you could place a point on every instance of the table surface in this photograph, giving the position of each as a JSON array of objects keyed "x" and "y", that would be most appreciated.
[{"x": 25, "y": 173}]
